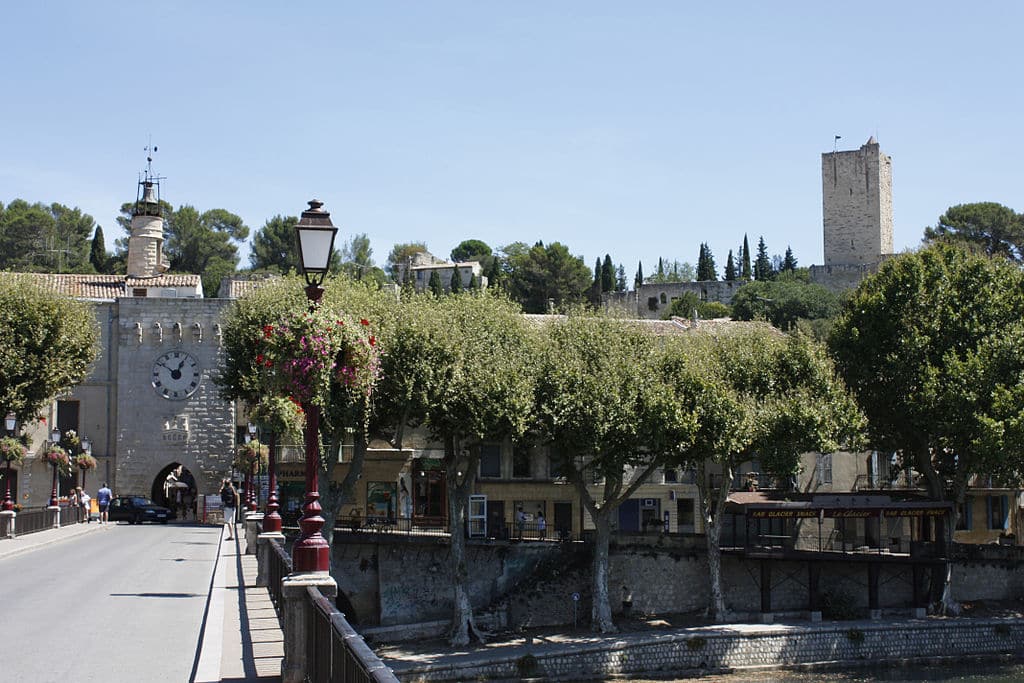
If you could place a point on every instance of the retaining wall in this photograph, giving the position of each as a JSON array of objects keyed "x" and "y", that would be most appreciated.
[{"x": 722, "y": 648}]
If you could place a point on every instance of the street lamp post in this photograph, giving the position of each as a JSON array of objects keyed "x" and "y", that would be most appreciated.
[
  {"x": 10, "y": 422},
  {"x": 54, "y": 501},
  {"x": 250, "y": 502},
  {"x": 316, "y": 236},
  {"x": 272, "y": 520}
]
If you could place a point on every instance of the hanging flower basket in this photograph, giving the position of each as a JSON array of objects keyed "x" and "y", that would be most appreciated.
[
  {"x": 58, "y": 457},
  {"x": 251, "y": 457},
  {"x": 12, "y": 450},
  {"x": 309, "y": 354},
  {"x": 85, "y": 462}
]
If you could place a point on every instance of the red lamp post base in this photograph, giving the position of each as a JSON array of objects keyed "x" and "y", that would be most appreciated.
[{"x": 311, "y": 555}]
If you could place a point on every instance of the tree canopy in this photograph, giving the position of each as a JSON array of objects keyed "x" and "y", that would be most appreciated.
[
  {"x": 45, "y": 238},
  {"x": 546, "y": 273},
  {"x": 784, "y": 301},
  {"x": 991, "y": 227},
  {"x": 49, "y": 343},
  {"x": 928, "y": 344}
]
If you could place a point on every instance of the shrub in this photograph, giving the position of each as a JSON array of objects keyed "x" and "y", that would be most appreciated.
[
  {"x": 527, "y": 666},
  {"x": 838, "y": 605}
]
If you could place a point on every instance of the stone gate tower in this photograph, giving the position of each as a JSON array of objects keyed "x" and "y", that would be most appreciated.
[{"x": 857, "y": 205}]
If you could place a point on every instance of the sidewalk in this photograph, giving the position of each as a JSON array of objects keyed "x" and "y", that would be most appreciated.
[{"x": 242, "y": 640}]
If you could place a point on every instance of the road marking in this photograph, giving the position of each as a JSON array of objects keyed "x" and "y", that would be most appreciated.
[{"x": 207, "y": 666}]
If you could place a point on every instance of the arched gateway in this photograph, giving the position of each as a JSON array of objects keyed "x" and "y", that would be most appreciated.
[{"x": 175, "y": 487}]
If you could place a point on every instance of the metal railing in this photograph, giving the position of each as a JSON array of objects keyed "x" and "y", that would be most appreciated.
[
  {"x": 41, "y": 519},
  {"x": 336, "y": 653},
  {"x": 431, "y": 526},
  {"x": 280, "y": 567}
]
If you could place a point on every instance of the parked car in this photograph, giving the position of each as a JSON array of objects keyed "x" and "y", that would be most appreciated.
[{"x": 138, "y": 509}]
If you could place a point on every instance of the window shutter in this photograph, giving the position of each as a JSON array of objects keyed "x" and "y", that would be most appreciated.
[
  {"x": 1004, "y": 508},
  {"x": 968, "y": 512}
]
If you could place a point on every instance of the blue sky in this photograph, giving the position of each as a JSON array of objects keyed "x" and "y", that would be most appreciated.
[{"x": 634, "y": 129}]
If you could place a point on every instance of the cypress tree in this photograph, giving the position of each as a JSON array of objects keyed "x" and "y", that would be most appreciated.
[
  {"x": 702, "y": 264},
  {"x": 745, "y": 273},
  {"x": 709, "y": 264},
  {"x": 456, "y": 284},
  {"x": 661, "y": 271},
  {"x": 639, "y": 279},
  {"x": 607, "y": 275},
  {"x": 730, "y": 268},
  {"x": 494, "y": 274},
  {"x": 474, "y": 283},
  {"x": 98, "y": 254},
  {"x": 434, "y": 284}
]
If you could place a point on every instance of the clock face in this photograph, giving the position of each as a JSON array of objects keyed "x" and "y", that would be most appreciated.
[{"x": 176, "y": 375}]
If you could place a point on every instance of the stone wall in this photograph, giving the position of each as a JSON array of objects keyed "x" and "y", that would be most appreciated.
[
  {"x": 739, "y": 647},
  {"x": 407, "y": 580},
  {"x": 152, "y": 431},
  {"x": 652, "y": 301}
]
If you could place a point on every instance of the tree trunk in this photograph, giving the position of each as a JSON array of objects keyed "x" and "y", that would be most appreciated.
[
  {"x": 458, "y": 502},
  {"x": 600, "y": 606},
  {"x": 713, "y": 511},
  {"x": 333, "y": 496},
  {"x": 944, "y": 605}
]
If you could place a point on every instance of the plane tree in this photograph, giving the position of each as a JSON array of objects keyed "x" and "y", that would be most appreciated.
[
  {"x": 600, "y": 410},
  {"x": 760, "y": 395},
  {"x": 49, "y": 342},
  {"x": 930, "y": 346}
]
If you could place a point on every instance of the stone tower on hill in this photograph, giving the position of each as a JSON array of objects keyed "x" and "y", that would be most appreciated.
[{"x": 856, "y": 189}]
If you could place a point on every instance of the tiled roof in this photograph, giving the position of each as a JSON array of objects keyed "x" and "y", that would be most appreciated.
[
  {"x": 107, "y": 286},
  {"x": 237, "y": 287}
]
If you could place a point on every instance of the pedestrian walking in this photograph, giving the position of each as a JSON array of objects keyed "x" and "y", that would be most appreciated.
[
  {"x": 229, "y": 501},
  {"x": 542, "y": 524},
  {"x": 85, "y": 501},
  {"x": 103, "y": 497},
  {"x": 520, "y": 522}
]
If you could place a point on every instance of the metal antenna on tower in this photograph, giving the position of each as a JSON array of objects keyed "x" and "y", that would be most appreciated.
[
  {"x": 150, "y": 151},
  {"x": 835, "y": 144}
]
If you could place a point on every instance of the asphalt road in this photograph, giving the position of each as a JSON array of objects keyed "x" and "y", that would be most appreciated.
[{"x": 124, "y": 603}]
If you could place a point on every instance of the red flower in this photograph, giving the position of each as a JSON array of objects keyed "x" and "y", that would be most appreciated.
[
  {"x": 341, "y": 322},
  {"x": 364, "y": 321},
  {"x": 267, "y": 331},
  {"x": 373, "y": 340},
  {"x": 42, "y": 419},
  {"x": 259, "y": 358},
  {"x": 269, "y": 364}
]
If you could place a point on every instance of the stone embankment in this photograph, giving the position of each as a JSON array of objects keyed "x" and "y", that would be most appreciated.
[{"x": 714, "y": 648}]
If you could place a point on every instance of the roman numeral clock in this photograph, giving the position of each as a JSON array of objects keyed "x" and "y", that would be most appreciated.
[{"x": 176, "y": 375}]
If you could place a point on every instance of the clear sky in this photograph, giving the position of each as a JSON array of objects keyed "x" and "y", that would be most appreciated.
[{"x": 637, "y": 129}]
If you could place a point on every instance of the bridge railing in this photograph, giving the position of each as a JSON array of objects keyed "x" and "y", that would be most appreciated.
[
  {"x": 336, "y": 653},
  {"x": 41, "y": 519},
  {"x": 333, "y": 651}
]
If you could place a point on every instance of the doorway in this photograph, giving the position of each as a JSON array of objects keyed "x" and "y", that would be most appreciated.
[{"x": 175, "y": 488}]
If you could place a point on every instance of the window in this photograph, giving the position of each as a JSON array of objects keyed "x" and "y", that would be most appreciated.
[
  {"x": 824, "y": 468},
  {"x": 671, "y": 475},
  {"x": 684, "y": 510},
  {"x": 490, "y": 461},
  {"x": 138, "y": 292},
  {"x": 998, "y": 507},
  {"x": 520, "y": 462},
  {"x": 964, "y": 521},
  {"x": 558, "y": 467}
]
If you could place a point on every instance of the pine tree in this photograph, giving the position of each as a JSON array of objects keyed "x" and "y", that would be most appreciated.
[
  {"x": 620, "y": 278},
  {"x": 456, "y": 284},
  {"x": 607, "y": 275},
  {"x": 639, "y": 279},
  {"x": 745, "y": 273},
  {"x": 98, "y": 254},
  {"x": 763, "y": 265},
  {"x": 789, "y": 262},
  {"x": 709, "y": 260},
  {"x": 434, "y": 284},
  {"x": 730, "y": 268}
]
